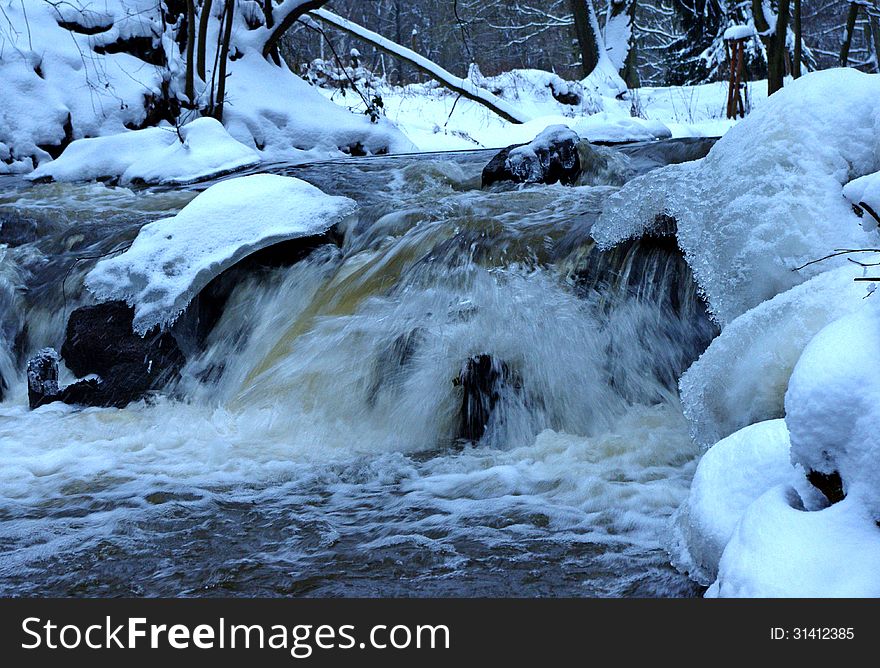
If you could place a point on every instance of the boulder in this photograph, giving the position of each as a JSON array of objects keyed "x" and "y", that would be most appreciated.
[
  {"x": 42, "y": 377},
  {"x": 100, "y": 342},
  {"x": 483, "y": 379},
  {"x": 17, "y": 230},
  {"x": 551, "y": 157}
]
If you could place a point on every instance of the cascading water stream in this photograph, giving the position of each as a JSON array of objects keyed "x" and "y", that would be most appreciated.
[{"x": 314, "y": 444}]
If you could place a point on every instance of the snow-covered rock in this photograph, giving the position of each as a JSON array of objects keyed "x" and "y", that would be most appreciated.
[
  {"x": 172, "y": 259},
  {"x": 742, "y": 376},
  {"x": 832, "y": 406},
  {"x": 730, "y": 476},
  {"x": 767, "y": 198},
  {"x": 780, "y": 550},
  {"x": 202, "y": 149}
]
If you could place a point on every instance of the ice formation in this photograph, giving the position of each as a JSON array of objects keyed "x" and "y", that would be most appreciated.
[
  {"x": 742, "y": 376},
  {"x": 768, "y": 197}
]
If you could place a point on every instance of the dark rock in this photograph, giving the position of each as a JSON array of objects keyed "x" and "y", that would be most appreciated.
[
  {"x": 483, "y": 381},
  {"x": 55, "y": 150},
  {"x": 42, "y": 377},
  {"x": 829, "y": 484},
  {"x": 17, "y": 230},
  {"x": 100, "y": 340},
  {"x": 552, "y": 157},
  {"x": 207, "y": 307},
  {"x": 143, "y": 47}
]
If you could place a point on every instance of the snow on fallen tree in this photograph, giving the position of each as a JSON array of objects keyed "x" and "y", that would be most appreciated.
[
  {"x": 464, "y": 87},
  {"x": 199, "y": 150},
  {"x": 768, "y": 197},
  {"x": 173, "y": 259}
]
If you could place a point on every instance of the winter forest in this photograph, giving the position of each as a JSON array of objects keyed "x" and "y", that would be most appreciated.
[{"x": 459, "y": 298}]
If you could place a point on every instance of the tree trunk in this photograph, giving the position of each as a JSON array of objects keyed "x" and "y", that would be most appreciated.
[
  {"x": 190, "y": 87},
  {"x": 201, "y": 55},
  {"x": 851, "y": 17},
  {"x": 587, "y": 37},
  {"x": 398, "y": 37},
  {"x": 224, "y": 57},
  {"x": 774, "y": 42},
  {"x": 798, "y": 41},
  {"x": 282, "y": 25},
  {"x": 630, "y": 71}
]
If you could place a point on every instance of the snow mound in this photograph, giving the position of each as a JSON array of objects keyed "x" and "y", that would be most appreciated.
[
  {"x": 271, "y": 108},
  {"x": 832, "y": 406},
  {"x": 172, "y": 259},
  {"x": 742, "y": 376},
  {"x": 730, "y": 476},
  {"x": 153, "y": 155},
  {"x": 767, "y": 198},
  {"x": 779, "y": 550},
  {"x": 54, "y": 82}
]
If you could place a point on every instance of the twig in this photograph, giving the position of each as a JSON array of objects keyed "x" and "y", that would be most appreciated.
[{"x": 838, "y": 252}]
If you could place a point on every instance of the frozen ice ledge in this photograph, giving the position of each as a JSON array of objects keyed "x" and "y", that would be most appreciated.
[{"x": 173, "y": 259}]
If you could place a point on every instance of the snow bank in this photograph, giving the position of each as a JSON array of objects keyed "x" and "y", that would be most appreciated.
[
  {"x": 54, "y": 83},
  {"x": 864, "y": 192},
  {"x": 832, "y": 406},
  {"x": 779, "y": 550},
  {"x": 63, "y": 84},
  {"x": 172, "y": 259},
  {"x": 271, "y": 108},
  {"x": 729, "y": 477},
  {"x": 767, "y": 198},
  {"x": 152, "y": 155},
  {"x": 782, "y": 538},
  {"x": 742, "y": 376}
]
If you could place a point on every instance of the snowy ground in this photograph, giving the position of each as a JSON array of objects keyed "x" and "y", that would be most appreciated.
[{"x": 435, "y": 119}]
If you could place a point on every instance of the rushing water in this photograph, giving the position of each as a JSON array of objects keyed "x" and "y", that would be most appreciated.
[{"x": 310, "y": 446}]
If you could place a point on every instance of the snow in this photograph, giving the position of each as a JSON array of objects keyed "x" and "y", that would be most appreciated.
[
  {"x": 465, "y": 85},
  {"x": 152, "y": 155},
  {"x": 742, "y": 376},
  {"x": 172, "y": 259},
  {"x": 739, "y": 32},
  {"x": 832, "y": 406},
  {"x": 287, "y": 119},
  {"x": 768, "y": 197},
  {"x": 779, "y": 550},
  {"x": 864, "y": 192},
  {"x": 730, "y": 476},
  {"x": 618, "y": 32},
  {"x": 83, "y": 91},
  {"x": 49, "y": 74}
]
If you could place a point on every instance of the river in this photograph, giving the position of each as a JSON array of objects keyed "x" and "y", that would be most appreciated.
[{"x": 310, "y": 449}]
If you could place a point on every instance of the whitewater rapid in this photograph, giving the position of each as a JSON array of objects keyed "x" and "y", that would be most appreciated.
[{"x": 306, "y": 451}]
